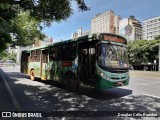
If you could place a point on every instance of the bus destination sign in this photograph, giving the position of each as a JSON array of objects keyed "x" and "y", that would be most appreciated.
[{"x": 113, "y": 38}]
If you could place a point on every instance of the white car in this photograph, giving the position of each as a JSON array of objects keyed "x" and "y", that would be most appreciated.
[{"x": 10, "y": 63}]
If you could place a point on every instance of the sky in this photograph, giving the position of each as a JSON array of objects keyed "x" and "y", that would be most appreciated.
[{"x": 141, "y": 9}]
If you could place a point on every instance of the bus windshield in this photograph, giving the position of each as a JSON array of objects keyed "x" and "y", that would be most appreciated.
[{"x": 112, "y": 55}]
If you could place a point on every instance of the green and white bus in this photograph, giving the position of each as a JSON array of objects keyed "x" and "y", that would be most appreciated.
[{"x": 98, "y": 60}]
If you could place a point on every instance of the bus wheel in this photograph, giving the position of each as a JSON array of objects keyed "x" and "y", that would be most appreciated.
[
  {"x": 70, "y": 81},
  {"x": 32, "y": 76}
]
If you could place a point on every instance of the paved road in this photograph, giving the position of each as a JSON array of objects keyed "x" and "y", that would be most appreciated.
[
  {"x": 145, "y": 85},
  {"x": 44, "y": 96}
]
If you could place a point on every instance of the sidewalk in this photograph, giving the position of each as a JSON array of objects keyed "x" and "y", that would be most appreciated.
[{"x": 144, "y": 73}]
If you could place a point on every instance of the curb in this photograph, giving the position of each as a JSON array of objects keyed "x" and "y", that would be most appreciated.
[{"x": 13, "y": 98}]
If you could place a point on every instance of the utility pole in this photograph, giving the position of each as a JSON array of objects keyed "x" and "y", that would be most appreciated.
[{"x": 18, "y": 54}]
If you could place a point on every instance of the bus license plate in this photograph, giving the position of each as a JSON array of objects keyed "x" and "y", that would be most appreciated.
[{"x": 119, "y": 83}]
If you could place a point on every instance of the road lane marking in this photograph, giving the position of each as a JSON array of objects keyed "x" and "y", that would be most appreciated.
[
  {"x": 150, "y": 95},
  {"x": 14, "y": 100}
]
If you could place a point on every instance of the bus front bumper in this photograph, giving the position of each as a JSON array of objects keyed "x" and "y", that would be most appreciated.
[{"x": 106, "y": 84}]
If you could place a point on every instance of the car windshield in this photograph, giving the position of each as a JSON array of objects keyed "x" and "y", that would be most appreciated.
[
  {"x": 10, "y": 61},
  {"x": 113, "y": 56}
]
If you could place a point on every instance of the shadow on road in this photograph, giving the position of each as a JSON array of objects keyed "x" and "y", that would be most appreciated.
[
  {"x": 47, "y": 96},
  {"x": 113, "y": 93},
  {"x": 91, "y": 92}
]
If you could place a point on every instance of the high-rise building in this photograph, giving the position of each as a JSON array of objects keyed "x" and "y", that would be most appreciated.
[
  {"x": 137, "y": 28},
  {"x": 80, "y": 33},
  {"x": 117, "y": 19},
  {"x": 74, "y": 35},
  {"x": 105, "y": 22},
  {"x": 86, "y": 32},
  {"x": 130, "y": 28},
  {"x": 151, "y": 28}
]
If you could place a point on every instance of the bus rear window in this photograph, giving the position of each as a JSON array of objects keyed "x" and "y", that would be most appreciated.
[{"x": 35, "y": 56}]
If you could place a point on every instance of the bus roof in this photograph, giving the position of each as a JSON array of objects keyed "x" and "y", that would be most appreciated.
[
  {"x": 100, "y": 36},
  {"x": 62, "y": 42},
  {"x": 40, "y": 47},
  {"x": 88, "y": 37}
]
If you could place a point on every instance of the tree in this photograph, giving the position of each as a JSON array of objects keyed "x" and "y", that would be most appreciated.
[
  {"x": 22, "y": 30},
  {"x": 157, "y": 37},
  {"x": 6, "y": 13},
  {"x": 25, "y": 29},
  {"x": 51, "y": 10},
  {"x": 143, "y": 51},
  {"x": 7, "y": 56},
  {"x": 40, "y": 11},
  {"x": 43, "y": 10}
]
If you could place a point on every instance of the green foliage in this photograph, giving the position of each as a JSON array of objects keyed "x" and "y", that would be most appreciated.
[
  {"x": 22, "y": 30},
  {"x": 7, "y": 56},
  {"x": 5, "y": 37},
  {"x": 143, "y": 51},
  {"x": 7, "y": 10},
  {"x": 25, "y": 29},
  {"x": 157, "y": 37},
  {"x": 4, "y": 40},
  {"x": 51, "y": 10},
  {"x": 22, "y": 19},
  {"x": 44, "y": 11}
]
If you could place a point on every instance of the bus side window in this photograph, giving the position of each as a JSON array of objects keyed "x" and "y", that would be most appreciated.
[
  {"x": 54, "y": 54},
  {"x": 44, "y": 56},
  {"x": 32, "y": 58},
  {"x": 37, "y": 56},
  {"x": 68, "y": 52}
]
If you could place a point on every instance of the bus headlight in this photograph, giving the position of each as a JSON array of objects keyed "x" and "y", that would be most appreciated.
[{"x": 103, "y": 75}]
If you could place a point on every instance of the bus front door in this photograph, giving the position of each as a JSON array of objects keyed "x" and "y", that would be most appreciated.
[
  {"x": 24, "y": 62},
  {"x": 87, "y": 63},
  {"x": 44, "y": 60}
]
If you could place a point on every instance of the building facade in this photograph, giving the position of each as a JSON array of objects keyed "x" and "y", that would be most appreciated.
[
  {"x": 151, "y": 28},
  {"x": 74, "y": 35},
  {"x": 80, "y": 33},
  {"x": 117, "y": 19},
  {"x": 131, "y": 28},
  {"x": 105, "y": 22}
]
